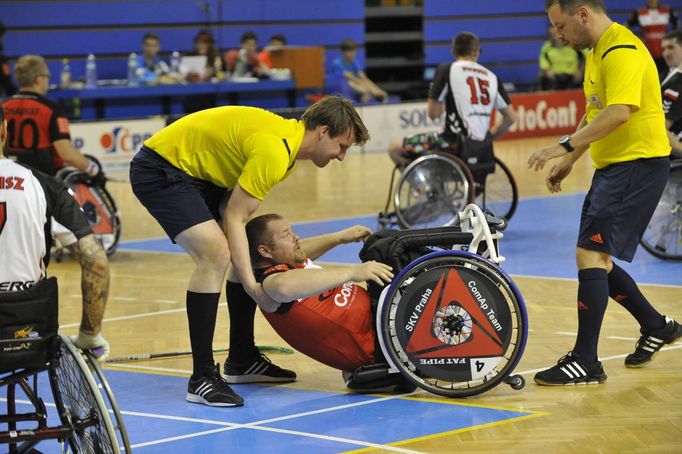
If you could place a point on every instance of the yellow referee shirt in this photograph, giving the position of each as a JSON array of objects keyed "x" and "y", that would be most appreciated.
[
  {"x": 620, "y": 70},
  {"x": 232, "y": 144}
]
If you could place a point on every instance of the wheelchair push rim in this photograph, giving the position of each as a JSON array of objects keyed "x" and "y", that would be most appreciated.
[
  {"x": 431, "y": 191},
  {"x": 454, "y": 324},
  {"x": 499, "y": 193},
  {"x": 80, "y": 403}
]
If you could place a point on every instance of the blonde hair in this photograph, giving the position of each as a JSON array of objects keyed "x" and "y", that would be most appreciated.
[{"x": 28, "y": 68}]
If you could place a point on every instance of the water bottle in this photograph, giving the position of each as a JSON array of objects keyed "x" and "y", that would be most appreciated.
[
  {"x": 240, "y": 65},
  {"x": 175, "y": 62},
  {"x": 218, "y": 68},
  {"x": 132, "y": 69},
  {"x": 65, "y": 76},
  {"x": 91, "y": 72}
]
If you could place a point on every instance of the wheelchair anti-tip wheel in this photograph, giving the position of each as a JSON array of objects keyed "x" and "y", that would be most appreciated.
[
  {"x": 431, "y": 191},
  {"x": 663, "y": 235},
  {"x": 454, "y": 324},
  {"x": 80, "y": 403},
  {"x": 499, "y": 194}
]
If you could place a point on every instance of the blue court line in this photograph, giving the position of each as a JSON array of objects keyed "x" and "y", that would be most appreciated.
[
  {"x": 159, "y": 420},
  {"x": 540, "y": 241}
]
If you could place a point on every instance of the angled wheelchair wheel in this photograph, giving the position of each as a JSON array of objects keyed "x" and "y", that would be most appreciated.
[
  {"x": 454, "y": 324},
  {"x": 663, "y": 235},
  {"x": 499, "y": 194},
  {"x": 79, "y": 402},
  {"x": 99, "y": 207},
  {"x": 432, "y": 190}
]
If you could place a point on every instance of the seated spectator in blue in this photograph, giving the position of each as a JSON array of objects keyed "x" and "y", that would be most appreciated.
[
  {"x": 150, "y": 67},
  {"x": 244, "y": 62},
  {"x": 561, "y": 66},
  {"x": 347, "y": 77}
]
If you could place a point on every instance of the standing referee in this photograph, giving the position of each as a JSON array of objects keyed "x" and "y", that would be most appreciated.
[{"x": 624, "y": 128}]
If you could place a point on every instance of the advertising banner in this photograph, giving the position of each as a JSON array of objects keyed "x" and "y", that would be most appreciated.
[
  {"x": 386, "y": 122},
  {"x": 538, "y": 114},
  {"x": 114, "y": 143},
  {"x": 545, "y": 113}
]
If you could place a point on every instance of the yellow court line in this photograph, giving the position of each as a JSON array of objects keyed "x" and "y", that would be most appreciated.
[{"x": 533, "y": 415}]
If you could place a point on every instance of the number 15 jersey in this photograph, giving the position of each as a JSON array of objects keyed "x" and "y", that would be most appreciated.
[{"x": 470, "y": 92}]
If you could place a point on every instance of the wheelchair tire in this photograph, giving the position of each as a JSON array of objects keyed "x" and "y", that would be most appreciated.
[
  {"x": 102, "y": 213},
  {"x": 432, "y": 190},
  {"x": 663, "y": 236},
  {"x": 500, "y": 193},
  {"x": 454, "y": 324},
  {"x": 79, "y": 402},
  {"x": 103, "y": 384}
]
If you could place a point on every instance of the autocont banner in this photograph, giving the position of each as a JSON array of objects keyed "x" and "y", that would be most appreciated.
[
  {"x": 538, "y": 114},
  {"x": 545, "y": 113}
]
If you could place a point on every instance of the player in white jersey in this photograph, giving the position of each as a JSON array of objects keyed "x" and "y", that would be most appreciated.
[
  {"x": 469, "y": 93},
  {"x": 28, "y": 199}
]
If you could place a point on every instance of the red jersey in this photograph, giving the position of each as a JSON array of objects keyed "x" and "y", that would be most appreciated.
[
  {"x": 334, "y": 327},
  {"x": 34, "y": 123},
  {"x": 654, "y": 23}
]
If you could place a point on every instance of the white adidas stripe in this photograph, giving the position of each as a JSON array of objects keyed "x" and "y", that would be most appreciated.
[{"x": 573, "y": 370}]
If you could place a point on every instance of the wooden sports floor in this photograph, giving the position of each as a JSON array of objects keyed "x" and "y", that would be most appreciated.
[{"x": 634, "y": 411}]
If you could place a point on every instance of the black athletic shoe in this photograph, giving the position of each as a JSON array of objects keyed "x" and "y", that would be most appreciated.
[
  {"x": 213, "y": 390},
  {"x": 571, "y": 370},
  {"x": 651, "y": 342},
  {"x": 260, "y": 370}
]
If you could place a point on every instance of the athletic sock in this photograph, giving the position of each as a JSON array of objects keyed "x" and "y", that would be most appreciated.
[
  {"x": 593, "y": 297},
  {"x": 242, "y": 311},
  {"x": 623, "y": 289},
  {"x": 202, "y": 309}
]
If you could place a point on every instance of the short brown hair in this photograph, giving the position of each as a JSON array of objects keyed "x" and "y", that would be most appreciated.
[
  {"x": 571, "y": 6},
  {"x": 465, "y": 44},
  {"x": 339, "y": 115},
  {"x": 674, "y": 34},
  {"x": 256, "y": 230},
  {"x": 348, "y": 44},
  {"x": 28, "y": 68}
]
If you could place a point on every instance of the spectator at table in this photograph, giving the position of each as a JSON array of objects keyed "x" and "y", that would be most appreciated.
[
  {"x": 276, "y": 43},
  {"x": 244, "y": 62},
  {"x": 150, "y": 67}
]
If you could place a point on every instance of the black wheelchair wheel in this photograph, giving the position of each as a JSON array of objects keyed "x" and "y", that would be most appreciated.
[
  {"x": 99, "y": 207},
  {"x": 79, "y": 402},
  {"x": 432, "y": 190},
  {"x": 108, "y": 394},
  {"x": 454, "y": 324},
  {"x": 499, "y": 194},
  {"x": 663, "y": 235}
]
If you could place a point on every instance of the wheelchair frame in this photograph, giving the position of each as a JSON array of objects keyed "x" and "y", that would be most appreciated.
[
  {"x": 471, "y": 191},
  {"x": 480, "y": 257},
  {"x": 663, "y": 236},
  {"x": 105, "y": 205}
]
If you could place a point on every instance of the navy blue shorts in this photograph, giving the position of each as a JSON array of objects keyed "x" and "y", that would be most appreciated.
[
  {"x": 619, "y": 205},
  {"x": 176, "y": 200}
]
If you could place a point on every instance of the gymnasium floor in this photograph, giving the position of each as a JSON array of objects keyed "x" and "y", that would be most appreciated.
[{"x": 634, "y": 411}]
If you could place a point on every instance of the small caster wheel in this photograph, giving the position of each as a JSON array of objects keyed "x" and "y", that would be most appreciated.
[{"x": 516, "y": 381}]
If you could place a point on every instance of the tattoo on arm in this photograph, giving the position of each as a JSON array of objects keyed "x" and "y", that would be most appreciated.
[{"x": 94, "y": 282}]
